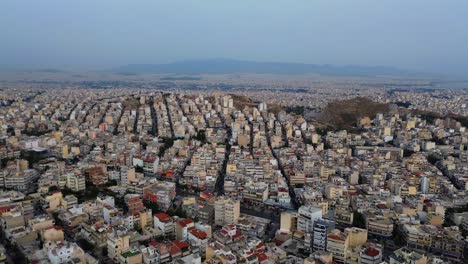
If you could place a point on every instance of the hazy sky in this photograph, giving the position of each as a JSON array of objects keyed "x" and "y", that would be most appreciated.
[{"x": 414, "y": 34}]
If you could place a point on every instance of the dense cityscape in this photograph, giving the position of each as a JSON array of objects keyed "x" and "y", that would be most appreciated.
[
  {"x": 234, "y": 132},
  {"x": 122, "y": 172}
]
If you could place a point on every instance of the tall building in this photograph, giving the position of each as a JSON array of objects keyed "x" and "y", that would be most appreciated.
[
  {"x": 306, "y": 218},
  {"x": 95, "y": 175},
  {"x": 357, "y": 236},
  {"x": 321, "y": 229},
  {"x": 76, "y": 182},
  {"x": 134, "y": 203},
  {"x": 424, "y": 184},
  {"x": 288, "y": 221},
  {"x": 118, "y": 242},
  {"x": 127, "y": 175},
  {"x": 262, "y": 107},
  {"x": 65, "y": 151},
  {"x": 227, "y": 211},
  {"x": 337, "y": 245},
  {"x": 380, "y": 227},
  {"x": 206, "y": 214},
  {"x": 165, "y": 223},
  {"x": 24, "y": 179}
]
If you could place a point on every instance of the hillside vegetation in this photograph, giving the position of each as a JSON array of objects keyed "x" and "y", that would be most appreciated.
[{"x": 344, "y": 114}]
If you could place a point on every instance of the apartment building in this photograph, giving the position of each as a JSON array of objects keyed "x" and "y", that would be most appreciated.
[
  {"x": 321, "y": 230},
  {"x": 337, "y": 245},
  {"x": 418, "y": 237},
  {"x": 306, "y": 217},
  {"x": 407, "y": 256},
  {"x": 134, "y": 203},
  {"x": 118, "y": 242},
  {"x": 24, "y": 181},
  {"x": 165, "y": 223},
  {"x": 76, "y": 182},
  {"x": 380, "y": 227},
  {"x": 288, "y": 221},
  {"x": 371, "y": 255},
  {"x": 227, "y": 211}
]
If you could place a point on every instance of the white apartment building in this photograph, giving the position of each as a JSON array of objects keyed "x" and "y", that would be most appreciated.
[{"x": 307, "y": 215}]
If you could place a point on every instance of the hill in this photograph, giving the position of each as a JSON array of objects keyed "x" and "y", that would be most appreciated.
[{"x": 343, "y": 114}]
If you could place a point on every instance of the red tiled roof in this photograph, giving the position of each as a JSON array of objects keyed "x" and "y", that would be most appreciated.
[
  {"x": 372, "y": 252},
  {"x": 180, "y": 244},
  {"x": 198, "y": 234},
  {"x": 262, "y": 257},
  {"x": 149, "y": 159},
  {"x": 169, "y": 173},
  {"x": 333, "y": 236},
  {"x": 151, "y": 197},
  {"x": 5, "y": 208},
  {"x": 55, "y": 227},
  {"x": 173, "y": 250},
  {"x": 238, "y": 234},
  {"x": 154, "y": 243},
  {"x": 205, "y": 195},
  {"x": 163, "y": 217},
  {"x": 185, "y": 222}
]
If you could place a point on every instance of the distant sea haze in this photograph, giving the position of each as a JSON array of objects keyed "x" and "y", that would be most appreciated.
[
  {"x": 225, "y": 66},
  {"x": 451, "y": 85}
]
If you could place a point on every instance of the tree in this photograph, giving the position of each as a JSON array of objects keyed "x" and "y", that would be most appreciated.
[
  {"x": 178, "y": 212},
  {"x": 433, "y": 158},
  {"x": 143, "y": 145},
  {"x": 53, "y": 188},
  {"x": 85, "y": 244},
  {"x": 322, "y": 131},
  {"x": 4, "y": 162},
  {"x": 359, "y": 220},
  {"x": 201, "y": 136},
  {"x": 151, "y": 205},
  {"x": 138, "y": 169},
  {"x": 111, "y": 183},
  {"x": 168, "y": 142},
  {"x": 407, "y": 153},
  {"x": 361, "y": 179},
  {"x": 57, "y": 220}
]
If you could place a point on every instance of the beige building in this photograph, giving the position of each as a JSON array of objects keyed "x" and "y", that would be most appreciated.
[
  {"x": 357, "y": 236},
  {"x": 76, "y": 182},
  {"x": 52, "y": 234},
  {"x": 288, "y": 221},
  {"x": 337, "y": 245},
  {"x": 117, "y": 242},
  {"x": 54, "y": 201},
  {"x": 380, "y": 227},
  {"x": 40, "y": 223},
  {"x": 227, "y": 211}
]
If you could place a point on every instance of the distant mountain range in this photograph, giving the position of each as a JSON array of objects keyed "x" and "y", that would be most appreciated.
[{"x": 226, "y": 66}]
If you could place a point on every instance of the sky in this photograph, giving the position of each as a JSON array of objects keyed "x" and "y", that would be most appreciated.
[{"x": 424, "y": 35}]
